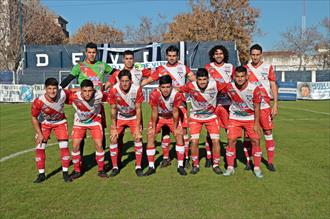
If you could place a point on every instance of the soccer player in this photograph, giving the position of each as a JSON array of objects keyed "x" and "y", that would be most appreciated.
[
  {"x": 50, "y": 107},
  {"x": 165, "y": 103},
  {"x": 137, "y": 74},
  {"x": 219, "y": 70},
  {"x": 125, "y": 99},
  {"x": 262, "y": 75},
  {"x": 203, "y": 93},
  {"x": 88, "y": 104},
  {"x": 93, "y": 70},
  {"x": 179, "y": 73},
  {"x": 244, "y": 114}
]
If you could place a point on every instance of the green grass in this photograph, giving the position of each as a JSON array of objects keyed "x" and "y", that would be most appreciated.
[{"x": 299, "y": 189}]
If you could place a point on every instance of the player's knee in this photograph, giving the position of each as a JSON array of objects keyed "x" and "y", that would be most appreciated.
[{"x": 231, "y": 143}]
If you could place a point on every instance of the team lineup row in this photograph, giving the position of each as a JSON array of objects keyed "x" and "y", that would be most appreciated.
[{"x": 235, "y": 99}]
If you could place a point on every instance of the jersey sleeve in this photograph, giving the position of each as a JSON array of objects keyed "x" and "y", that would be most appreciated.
[
  {"x": 146, "y": 72},
  {"x": 220, "y": 86},
  {"x": 178, "y": 100},
  {"x": 139, "y": 96},
  {"x": 154, "y": 98},
  {"x": 105, "y": 96},
  {"x": 67, "y": 94},
  {"x": 107, "y": 68},
  {"x": 185, "y": 88},
  {"x": 36, "y": 108},
  {"x": 76, "y": 70},
  {"x": 155, "y": 75},
  {"x": 188, "y": 70},
  {"x": 111, "y": 96},
  {"x": 256, "y": 95},
  {"x": 113, "y": 78},
  {"x": 271, "y": 74}
]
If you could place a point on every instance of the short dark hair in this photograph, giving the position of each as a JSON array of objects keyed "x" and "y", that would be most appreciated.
[
  {"x": 165, "y": 79},
  {"x": 51, "y": 82},
  {"x": 91, "y": 45},
  {"x": 123, "y": 73},
  {"x": 128, "y": 52},
  {"x": 87, "y": 83},
  {"x": 172, "y": 48},
  {"x": 202, "y": 72},
  {"x": 241, "y": 69},
  {"x": 256, "y": 47},
  {"x": 223, "y": 49}
]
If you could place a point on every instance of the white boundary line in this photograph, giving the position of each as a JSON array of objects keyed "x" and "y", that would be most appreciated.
[{"x": 306, "y": 110}]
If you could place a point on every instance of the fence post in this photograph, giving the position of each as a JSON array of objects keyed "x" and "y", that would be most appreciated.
[
  {"x": 283, "y": 76},
  {"x": 313, "y": 76}
]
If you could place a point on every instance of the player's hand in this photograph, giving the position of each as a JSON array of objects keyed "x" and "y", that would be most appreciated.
[
  {"x": 137, "y": 134},
  {"x": 274, "y": 110},
  {"x": 178, "y": 131},
  {"x": 151, "y": 131},
  {"x": 257, "y": 129},
  {"x": 113, "y": 133},
  {"x": 39, "y": 138}
]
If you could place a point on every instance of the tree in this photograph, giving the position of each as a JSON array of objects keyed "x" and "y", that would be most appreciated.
[
  {"x": 302, "y": 42},
  {"x": 146, "y": 32},
  {"x": 97, "y": 33},
  {"x": 233, "y": 20},
  {"x": 323, "y": 46},
  {"x": 38, "y": 27}
]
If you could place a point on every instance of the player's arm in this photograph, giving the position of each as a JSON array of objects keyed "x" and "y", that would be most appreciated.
[
  {"x": 154, "y": 76},
  {"x": 113, "y": 127},
  {"x": 177, "y": 129},
  {"x": 273, "y": 88},
  {"x": 154, "y": 118},
  {"x": 137, "y": 134},
  {"x": 191, "y": 76},
  {"x": 74, "y": 74},
  {"x": 35, "y": 111},
  {"x": 256, "y": 102},
  {"x": 147, "y": 81}
]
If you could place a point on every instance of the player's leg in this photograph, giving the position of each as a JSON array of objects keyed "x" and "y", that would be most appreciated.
[
  {"x": 195, "y": 128},
  {"x": 183, "y": 113},
  {"x": 138, "y": 149},
  {"x": 166, "y": 146},
  {"x": 114, "y": 149},
  {"x": 151, "y": 150},
  {"x": 61, "y": 133},
  {"x": 247, "y": 148},
  {"x": 97, "y": 136},
  {"x": 78, "y": 133},
  {"x": 208, "y": 148}
]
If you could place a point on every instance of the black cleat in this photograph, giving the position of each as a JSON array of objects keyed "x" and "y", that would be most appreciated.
[
  {"x": 208, "y": 163},
  {"x": 194, "y": 170},
  {"x": 114, "y": 172},
  {"x": 102, "y": 174},
  {"x": 217, "y": 170},
  {"x": 235, "y": 163},
  {"x": 186, "y": 163},
  {"x": 271, "y": 167},
  {"x": 181, "y": 171},
  {"x": 66, "y": 177},
  {"x": 150, "y": 171},
  {"x": 75, "y": 175},
  {"x": 247, "y": 166},
  {"x": 139, "y": 172},
  {"x": 41, "y": 177},
  {"x": 165, "y": 163}
]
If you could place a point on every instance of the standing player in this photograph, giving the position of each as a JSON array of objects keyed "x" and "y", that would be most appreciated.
[
  {"x": 178, "y": 72},
  {"x": 137, "y": 74},
  {"x": 262, "y": 75},
  {"x": 165, "y": 103},
  {"x": 203, "y": 93},
  {"x": 88, "y": 104},
  {"x": 50, "y": 106},
  {"x": 93, "y": 70},
  {"x": 125, "y": 99},
  {"x": 221, "y": 71},
  {"x": 244, "y": 114}
]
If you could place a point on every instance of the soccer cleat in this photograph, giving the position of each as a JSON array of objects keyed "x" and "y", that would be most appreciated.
[
  {"x": 217, "y": 170},
  {"x": 139, "y": 172},
  {"x": 114, "y": 172},
  {"x": 150, "y": 171},
  {"x": 41, "y": 177},
  {"x": 271, "y": 167},
  {"x": 102, "y": 174},
  {"x": 247, "y": 166},
  {"x": 186, "y": 163},
  {"x": 66, "y": 177},
  {"x": 194, "y": 170},
  {"x": 258, "y": 173},
  {"x": 181, "y": 171},
  {"x": 208, "y": 163},
  {"x": 229, "y": 172},
  {"x": 75, "y": 175},
  {"x": 165, "y": 163}
]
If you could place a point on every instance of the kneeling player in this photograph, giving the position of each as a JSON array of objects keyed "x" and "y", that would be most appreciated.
[
  {"x": 165, "y": 103},
  {"x": 125, "y": 99},
  {"x": 244, "y": 114},
  {"x": 88, "y": 104},
  {"x": 50, "y": 106},
  {"x": 203, "y": 93}
]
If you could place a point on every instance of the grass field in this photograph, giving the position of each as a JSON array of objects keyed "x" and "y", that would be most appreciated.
[{"x": 299, "y": 189}]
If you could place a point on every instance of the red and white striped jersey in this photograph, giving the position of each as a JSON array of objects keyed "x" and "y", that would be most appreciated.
[
  {"x": 223, "y": 74},
  {"x": 261, "y": 76},
  {"x": 87, "y": 112},
  {"x": 178, "y": 73},
  {"x": 125, "y": 102},
  {"x": 242, "y": 107},
  {"x": 165, "y": 105},
  {"x": 203, "y": 103},
  {"x": 51, "y": 111},
  {"x": 137, "y": 76}
]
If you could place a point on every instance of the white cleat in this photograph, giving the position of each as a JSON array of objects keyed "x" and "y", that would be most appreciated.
[
  {"x": 258, "y": 173},
  {"x": 229, "y": 172}
]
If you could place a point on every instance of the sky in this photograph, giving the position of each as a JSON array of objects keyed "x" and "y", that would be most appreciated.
[{"x": 275, "y": 15}]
